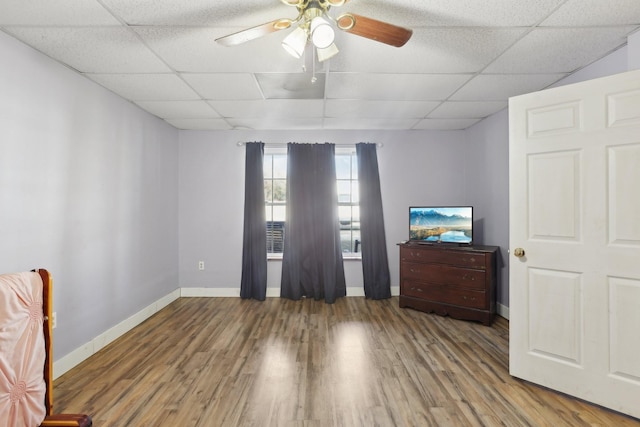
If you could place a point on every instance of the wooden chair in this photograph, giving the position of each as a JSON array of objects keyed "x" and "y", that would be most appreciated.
[{"x": 26, "y": 308}]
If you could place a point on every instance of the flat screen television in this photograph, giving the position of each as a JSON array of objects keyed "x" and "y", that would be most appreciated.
[{"x": 441, "y": 224}]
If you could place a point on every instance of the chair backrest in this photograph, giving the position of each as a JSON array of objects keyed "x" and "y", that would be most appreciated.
[{"x": 23, "y": 349}]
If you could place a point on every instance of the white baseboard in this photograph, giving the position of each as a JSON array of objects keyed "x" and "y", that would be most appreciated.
[
  {"x": 209, "y": 292},
  {"x": 83, "y": 352},
  {"x": 502, "y": 311}
]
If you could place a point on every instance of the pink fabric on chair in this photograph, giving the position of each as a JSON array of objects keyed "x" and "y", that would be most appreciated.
[{"x": 22, "y": 350}]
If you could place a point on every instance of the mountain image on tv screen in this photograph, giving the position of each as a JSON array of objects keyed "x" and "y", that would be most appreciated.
[{"x": 441, "y": 224}]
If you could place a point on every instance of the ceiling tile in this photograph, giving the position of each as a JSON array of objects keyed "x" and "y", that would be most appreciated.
[
  {"x": 556, "y": 50},
  {"x": 271, "y": 108},
  {"x": 430, "y": 50},
  {"x": 59, "y": 12},
  {"x": 200, "y": 12},
  {"x": 291, "y": 85},
  {"x": 224, "y": 85},
  {"x": 445, "y": 124},
  {"x": 421, "y": 14},
  {"x": 467, "y": 109},
  {"x": 93, "y": 50},
  {"x": 409, "y": 87},
  {"x": 378, "y": 109},
  {"x": 496, "y": 87},
  {"x": 146, "y": 87},
  {"x": 595, "y": 12},
  {"x": 277, "y": 123},
  {"x": 200, "y": 124},
  {"x": 179, "y": 109},
  {"x": 368, "y": 123}
]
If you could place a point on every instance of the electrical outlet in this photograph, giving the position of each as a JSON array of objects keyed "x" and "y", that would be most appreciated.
[
  {"x": 200, "y": 265},
  {"x": 54, "y": 322}
]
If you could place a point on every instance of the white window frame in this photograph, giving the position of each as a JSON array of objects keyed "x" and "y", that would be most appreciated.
[
  {"x": 340, "y": 151},
  {"x": 269, "y": 205}
]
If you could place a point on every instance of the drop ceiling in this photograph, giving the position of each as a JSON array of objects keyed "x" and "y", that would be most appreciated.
[{"x": 465, "y": 59}]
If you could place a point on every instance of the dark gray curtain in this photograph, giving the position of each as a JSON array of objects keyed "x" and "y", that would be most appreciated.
[
  {"x": 254, "y": 241},
  {"x": 312, "y": 259},
  {"x": 375, "y": 265}
]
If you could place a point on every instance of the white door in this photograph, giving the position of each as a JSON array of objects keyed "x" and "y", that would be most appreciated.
[{"x": 574, "y": 158}]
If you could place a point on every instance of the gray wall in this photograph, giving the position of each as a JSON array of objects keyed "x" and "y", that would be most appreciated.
[
  {"x": 487, "y": 168},
  {"x": 416, "y": 167},
  {"x": 633, "y": 51},
  {"x": 88, "y": 190}
]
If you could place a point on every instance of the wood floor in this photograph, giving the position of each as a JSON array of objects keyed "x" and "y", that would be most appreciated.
[{"x": 232, "y": 362}]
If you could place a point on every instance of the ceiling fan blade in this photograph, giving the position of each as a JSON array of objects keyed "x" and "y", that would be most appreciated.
[
  {"x": 373, "y": 29},
  {"x": 254, "y": 32}
]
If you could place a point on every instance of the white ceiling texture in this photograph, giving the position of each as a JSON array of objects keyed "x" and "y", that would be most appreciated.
[{"x": 465, "y": 58}]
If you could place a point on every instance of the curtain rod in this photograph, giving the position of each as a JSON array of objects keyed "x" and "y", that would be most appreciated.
[{"x": 283, "y": 145}]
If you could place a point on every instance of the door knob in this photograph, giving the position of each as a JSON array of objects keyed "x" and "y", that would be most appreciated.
[{"x": 518, "y": 252}]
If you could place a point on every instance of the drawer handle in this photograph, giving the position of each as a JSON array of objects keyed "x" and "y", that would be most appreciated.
[{"x": 417, "y": 289}]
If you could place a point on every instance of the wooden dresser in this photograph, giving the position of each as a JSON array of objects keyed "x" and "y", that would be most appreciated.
[{"x": 459, "y": 281}]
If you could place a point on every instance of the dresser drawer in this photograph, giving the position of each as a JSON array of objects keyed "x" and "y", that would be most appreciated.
[
  {"x": 445, "y": 274},
  {"x": 445, "y": 294},
  {"x": 427, "y": 254}
]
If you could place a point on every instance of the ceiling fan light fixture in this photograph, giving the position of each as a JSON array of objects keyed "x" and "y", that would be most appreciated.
[
  {"x": 295, "y": 42},
  {"x": 327, "y": 53},
  {"x": 322, "y": 33}
]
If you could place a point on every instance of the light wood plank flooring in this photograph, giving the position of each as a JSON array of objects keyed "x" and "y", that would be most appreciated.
[{"x": 232, "y": 362}]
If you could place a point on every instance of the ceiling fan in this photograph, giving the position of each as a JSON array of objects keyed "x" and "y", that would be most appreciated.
[{"x": 315, "y": 25}]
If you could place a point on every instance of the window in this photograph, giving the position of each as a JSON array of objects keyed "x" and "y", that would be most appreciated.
[
  {"x": 275, "y": 190},
  {"x": 348, "y": 202}
]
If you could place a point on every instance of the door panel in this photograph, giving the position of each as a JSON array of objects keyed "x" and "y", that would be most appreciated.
[
  {"x": 555, "y": 119},
  {"x": 555, "y": 318},
  {"x": 554, "y": 196},
  {"x": 625, "y": 318},
  {"x": 624, "y": 177},
  {"x": 624, "y": 108},
  {"x": 574, "y": 158}
]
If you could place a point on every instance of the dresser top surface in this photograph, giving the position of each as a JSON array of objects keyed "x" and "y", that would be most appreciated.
[{"x": 448, "y": 247}]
